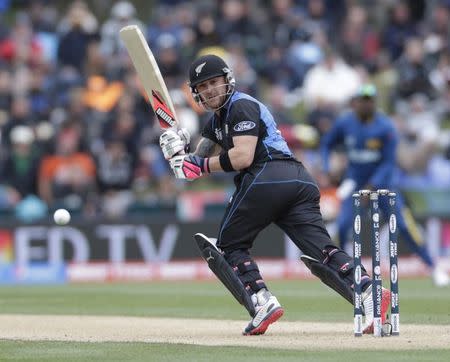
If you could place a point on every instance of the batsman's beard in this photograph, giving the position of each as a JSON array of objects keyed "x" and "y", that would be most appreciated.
[{"x": 205, "y": 102}]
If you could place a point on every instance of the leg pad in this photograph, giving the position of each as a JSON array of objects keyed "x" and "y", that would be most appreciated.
[
  {"x": 220, "y": 267},
  {"x": 334, "y": 279},
  {"x": 249, "y": 275}
]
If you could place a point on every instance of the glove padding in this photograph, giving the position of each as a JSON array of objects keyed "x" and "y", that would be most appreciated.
[
  {"x": 189, "y": 167},
  {"x": 173, "y": 142}
]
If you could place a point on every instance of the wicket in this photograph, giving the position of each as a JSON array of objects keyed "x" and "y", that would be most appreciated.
[{"x": 376, "y": 261}]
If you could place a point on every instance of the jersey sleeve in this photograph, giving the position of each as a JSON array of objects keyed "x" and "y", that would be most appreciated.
[{"x": 244, "y": 118}]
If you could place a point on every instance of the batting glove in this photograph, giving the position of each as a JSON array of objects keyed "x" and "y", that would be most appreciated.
[
  {"x": 184, "y": 135},
  {"x": 189, "y": 167},
  {"x": 173, "y": 142}
]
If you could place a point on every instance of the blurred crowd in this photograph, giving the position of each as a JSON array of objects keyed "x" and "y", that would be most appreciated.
[{"x": 77, "y": 132}]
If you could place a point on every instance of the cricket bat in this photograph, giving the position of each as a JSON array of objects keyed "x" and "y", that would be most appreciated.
[{"x": 150, "y": 76}]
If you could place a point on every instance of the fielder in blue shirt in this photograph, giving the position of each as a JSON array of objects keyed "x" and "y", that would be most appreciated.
[{"x": 370, "y": 139}]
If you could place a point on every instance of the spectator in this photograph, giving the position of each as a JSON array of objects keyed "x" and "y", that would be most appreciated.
[
  {"x": 77, "y": 30},
  {"x": 421, "y": 135},
  {"x": 80, "y": 16},
  {"x": 318, "y": 17},
  {"x": 102, "y": 95},
  {"x": 205, "y": 30},
  {"x": 21, "y": 46},
  {"x": 154, "y": 175},
  {"x": 443, "y": 102},
  {"x": 437, "y": 31},
  {"x": 40, "y": 94},
  {"x": 277, "y": 104},
  {"x": 123, "y": 126},
  {"x": 20, "y": 116},
  {"x": 385, "y": 78},
  {"x": 122, "y": 13},
  {"x": 111, "y": 48},
  {"x": 413, "y": 71},
  {"x": 43, "y": 16},
  {"x": 321, "y": 119},
  {"x": 359, "y": 44},
  {"x": 67, "y": 177},
  {"x": 19, "y": 171},
  {"x": 242, "y": 68},
  {"x": 235, "y": 24},
  {"x": 187, "y": 116},
  {"x": 304, "y": 52},
  {"x": 115, "y": 172},
  {"x": 164, "y": 26},
  {"x": 440, "y": 74},
  {"x": 400, "y": 27},
  {"x": 279, "y": 15},
  {"x": 169, "y": 61},
  {"x": 276, "y": 69},
  {"x": 5, "y": 89},
  {"x": 331, "y": 83}
]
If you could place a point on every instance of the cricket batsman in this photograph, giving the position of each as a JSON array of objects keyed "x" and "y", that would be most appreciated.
[{"x": 242, "y": 137}]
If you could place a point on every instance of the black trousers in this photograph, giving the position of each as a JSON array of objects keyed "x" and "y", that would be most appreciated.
[{"x": 280, "y": 192}]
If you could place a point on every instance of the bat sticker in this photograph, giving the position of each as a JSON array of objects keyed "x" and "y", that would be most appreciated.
[{"x": 165, "y": 116}]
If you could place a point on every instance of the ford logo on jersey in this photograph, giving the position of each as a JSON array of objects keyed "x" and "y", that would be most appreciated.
[{"x": 244, "y": 126}]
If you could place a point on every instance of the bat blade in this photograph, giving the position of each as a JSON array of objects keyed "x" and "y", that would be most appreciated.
[{"x": 149, "y": 74}]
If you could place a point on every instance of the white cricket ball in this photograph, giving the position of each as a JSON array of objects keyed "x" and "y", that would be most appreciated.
[{"x": 61, "y": 216}]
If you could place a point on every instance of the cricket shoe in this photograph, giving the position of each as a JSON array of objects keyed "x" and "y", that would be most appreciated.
[
  {"x": 268, "y": 311},
  {"x": 367, "y": 301}
]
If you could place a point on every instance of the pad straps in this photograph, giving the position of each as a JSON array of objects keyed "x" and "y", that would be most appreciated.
[{"x": 248, "y": 273}]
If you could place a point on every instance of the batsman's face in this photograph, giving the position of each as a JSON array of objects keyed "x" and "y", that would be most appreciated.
[{"x": 213, "y": 92}]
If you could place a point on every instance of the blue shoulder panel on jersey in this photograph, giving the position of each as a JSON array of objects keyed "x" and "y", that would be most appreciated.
[{"x": 274, "y": 139}]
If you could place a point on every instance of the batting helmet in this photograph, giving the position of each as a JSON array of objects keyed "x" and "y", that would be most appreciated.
[{"x": 207, "y": 67}]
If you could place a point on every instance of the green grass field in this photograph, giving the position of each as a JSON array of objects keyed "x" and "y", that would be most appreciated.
[{"x": 420, "y": 303}]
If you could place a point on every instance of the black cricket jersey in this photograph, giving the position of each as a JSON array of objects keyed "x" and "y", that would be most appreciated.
[
  {"x": 267, "y": 192},
  {"x": 282, "y": 192},
  {"x": 244, "y": 115}
]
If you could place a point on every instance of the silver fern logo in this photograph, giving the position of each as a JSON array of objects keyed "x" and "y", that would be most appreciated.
[
  {"x": 199, "y": 68},
  {"x": 218, "y": 132}
]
